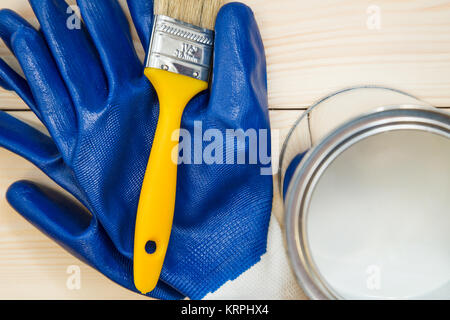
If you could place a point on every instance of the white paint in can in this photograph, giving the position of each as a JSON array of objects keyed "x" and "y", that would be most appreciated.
[{"x": 378, "y": 225}]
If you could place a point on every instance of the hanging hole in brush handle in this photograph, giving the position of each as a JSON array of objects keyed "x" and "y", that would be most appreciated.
[{"x": 150, "y": 247}]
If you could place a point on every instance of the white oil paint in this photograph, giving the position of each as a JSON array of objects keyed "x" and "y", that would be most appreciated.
[{"x": 379, "y": 221}]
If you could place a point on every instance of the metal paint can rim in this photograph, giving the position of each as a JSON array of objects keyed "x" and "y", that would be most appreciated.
[
  {"x": 316, "y": 105},
  {"x": 312, "y": 166}
]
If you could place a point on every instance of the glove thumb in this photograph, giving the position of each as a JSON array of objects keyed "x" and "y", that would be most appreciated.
[
  {"x": 75, "y": 229},
  {"x": 56, "y": 216}
]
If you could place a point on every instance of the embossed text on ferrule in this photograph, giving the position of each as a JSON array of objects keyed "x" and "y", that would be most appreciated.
[{"x": 188, "y": 52}]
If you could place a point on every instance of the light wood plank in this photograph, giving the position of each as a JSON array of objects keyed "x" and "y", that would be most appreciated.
[
  {"x": 316, "y": 47},
  {"x": 313, "y": 48}
]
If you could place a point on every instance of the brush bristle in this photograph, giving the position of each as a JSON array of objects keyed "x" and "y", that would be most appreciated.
[{"x": 201, "y": 13}]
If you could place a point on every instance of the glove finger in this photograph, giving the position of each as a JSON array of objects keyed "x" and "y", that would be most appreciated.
[
  {"x": 74, "y": 53},
  {"x": 63, "y": 221},
  {"x": 26, "y": 141},
  {"x": 239, "y": 68},
  {"x": 10, "y": 22},
  {"x": 52, "y": 100},
  {"x": 11, "y": 80},
  {"x": 74, "y": 228},
  {"x": 49, "y": 91},
  {"x": 142, "y": 15},
  {"x": 110, "y": 31},
  {"x": 31, "y": 144}
]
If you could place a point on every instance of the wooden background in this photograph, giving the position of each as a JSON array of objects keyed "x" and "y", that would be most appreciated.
[{"x": 313, "y": 48}]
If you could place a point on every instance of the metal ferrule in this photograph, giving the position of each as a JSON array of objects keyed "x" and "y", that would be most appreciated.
[{"x": 181, "y": 48}]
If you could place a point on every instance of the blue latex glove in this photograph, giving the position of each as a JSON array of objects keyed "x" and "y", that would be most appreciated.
[{"x": 87, "y": 87}]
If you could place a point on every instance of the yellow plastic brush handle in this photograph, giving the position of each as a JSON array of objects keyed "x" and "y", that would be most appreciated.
[{"x": 157, "y": 199}]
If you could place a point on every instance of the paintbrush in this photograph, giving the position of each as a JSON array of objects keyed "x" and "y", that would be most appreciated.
[{"x": 179, "y": 67}]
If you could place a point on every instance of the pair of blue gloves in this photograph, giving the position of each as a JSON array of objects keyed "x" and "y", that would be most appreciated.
[{"x": 87, "y": 87}]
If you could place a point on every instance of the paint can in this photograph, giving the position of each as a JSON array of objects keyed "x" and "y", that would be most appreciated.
[{"x": 365, "y": 180}]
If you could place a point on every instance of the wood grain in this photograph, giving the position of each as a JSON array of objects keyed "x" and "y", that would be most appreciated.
[
  {"x": 316, "y": 47},
  {"x": 313, "y": 48}
]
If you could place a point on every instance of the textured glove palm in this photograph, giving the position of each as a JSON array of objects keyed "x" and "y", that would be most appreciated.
[{"x": 87, "y": 87}]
